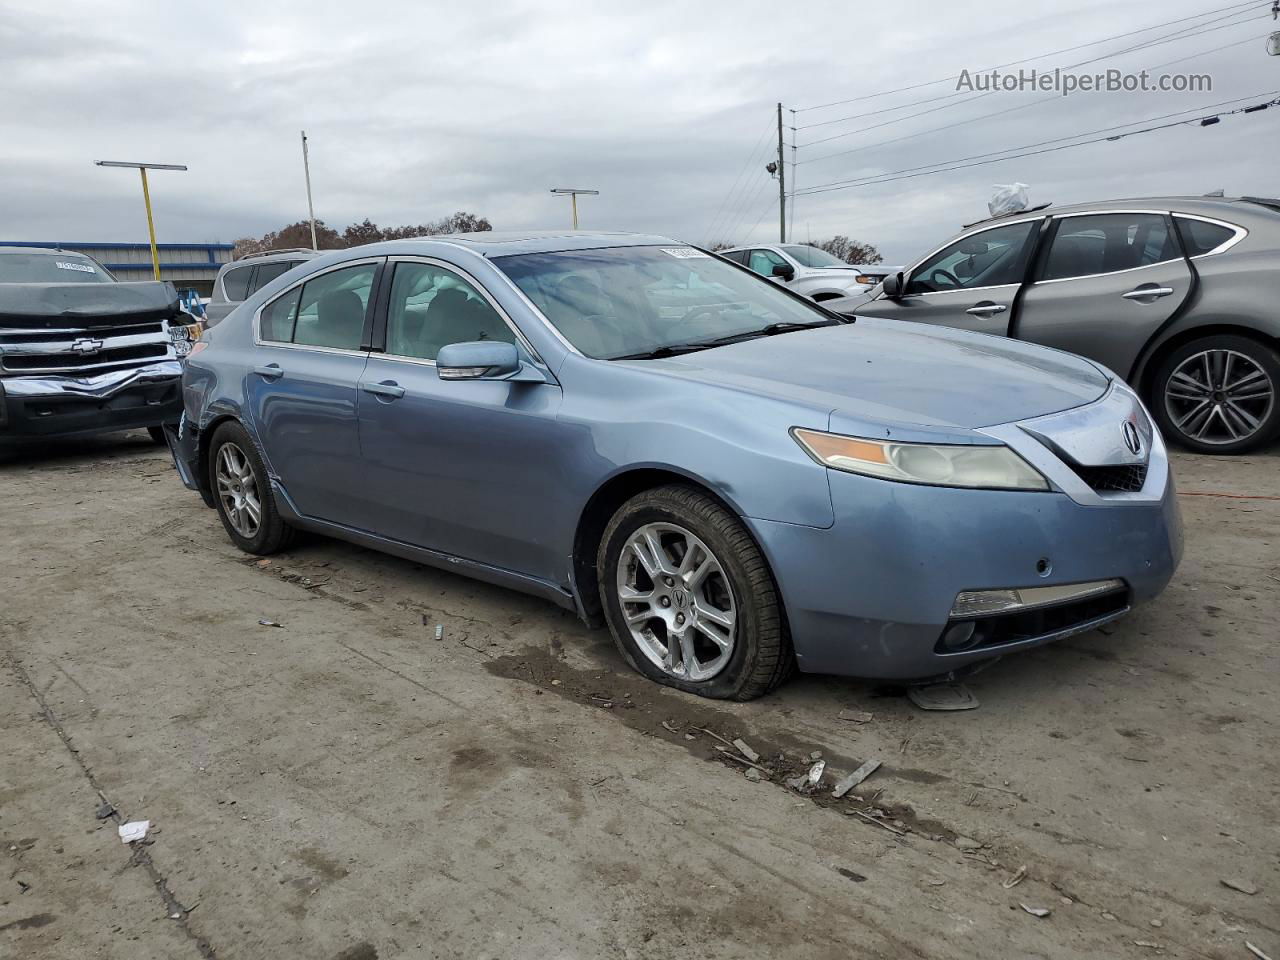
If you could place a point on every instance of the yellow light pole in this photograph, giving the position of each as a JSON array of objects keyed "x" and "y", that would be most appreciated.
[
  {"x": 146, "y": 199},
  {"x": 573, "y": 195}
]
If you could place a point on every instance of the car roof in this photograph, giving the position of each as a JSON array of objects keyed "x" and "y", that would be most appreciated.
[
  {"x": 506, "y": 243},
  {"x": 1226, "y": 208},
  {"x": 44, "y": 251}
]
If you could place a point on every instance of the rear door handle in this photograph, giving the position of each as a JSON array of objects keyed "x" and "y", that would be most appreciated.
[
  {"x": 986, "y": 309},
  {"x": 1148, "y": 293},
  {"x": 389, "y": 389},
  {"x": 271, "y": 371}
]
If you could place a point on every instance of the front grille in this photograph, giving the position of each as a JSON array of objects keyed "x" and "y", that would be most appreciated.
[
  {"x": 10, "y": 335},
  {"x": 74, "y": 362},
  {"x": 1118, "y": 478}
]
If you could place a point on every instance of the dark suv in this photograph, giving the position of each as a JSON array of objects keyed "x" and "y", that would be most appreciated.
[{"x": 1177, "y": 295}]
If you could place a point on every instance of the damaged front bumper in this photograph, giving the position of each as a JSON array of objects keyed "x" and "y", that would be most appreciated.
[{"x": 50, "y": 405}]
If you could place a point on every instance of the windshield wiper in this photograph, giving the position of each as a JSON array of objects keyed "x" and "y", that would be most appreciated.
[
  {"x": 668, "y": 350},
  {"x": 676, "y": 349}
]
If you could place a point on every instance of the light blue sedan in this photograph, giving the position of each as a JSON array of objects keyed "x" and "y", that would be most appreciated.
[{"x": 735, "y": 481}]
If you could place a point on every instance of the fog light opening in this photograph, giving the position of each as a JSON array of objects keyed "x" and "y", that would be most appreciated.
[{"x": 960, "y": 636}]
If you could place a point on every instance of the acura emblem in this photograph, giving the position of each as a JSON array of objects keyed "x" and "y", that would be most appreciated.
[
  {"x": 86, "y": 345},
  {"x": 1132, "y": 440}
]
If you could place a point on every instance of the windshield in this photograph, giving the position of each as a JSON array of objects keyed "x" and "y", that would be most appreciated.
[
  {"x": 808, "y": 256},
  {"x": 626, "y": 301},
  {"x": 50, "y": 268}
]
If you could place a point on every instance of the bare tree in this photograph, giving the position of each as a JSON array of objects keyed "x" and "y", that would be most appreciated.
[
  {"x": 356, "y": 234},
  {"x": 850, "y": 251}
]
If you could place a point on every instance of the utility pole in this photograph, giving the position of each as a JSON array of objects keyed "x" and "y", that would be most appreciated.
[
  {"x": 146, "y": 199},
  {"x": 573, "y": 196},
  {"x": 311, "y": 210},
  {"x": 782, "y": 184}
]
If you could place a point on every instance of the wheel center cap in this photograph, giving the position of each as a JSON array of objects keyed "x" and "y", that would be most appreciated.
[{"x": 679, "y": 598}]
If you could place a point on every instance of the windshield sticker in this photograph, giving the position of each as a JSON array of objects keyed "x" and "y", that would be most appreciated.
[
  {"x": 683, "y": 253},
  {"x": 82, "y": 267}
]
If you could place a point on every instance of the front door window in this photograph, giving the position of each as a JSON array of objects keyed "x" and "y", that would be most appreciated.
[{"x": 991, "y": 258}]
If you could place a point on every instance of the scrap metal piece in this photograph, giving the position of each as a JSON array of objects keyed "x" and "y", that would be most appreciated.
[
  {"x": 855, "y": 778},
  {"x": 943, "y": 696}
]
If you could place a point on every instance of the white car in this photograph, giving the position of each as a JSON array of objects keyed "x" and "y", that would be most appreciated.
[{"x": 807, "y": 270}]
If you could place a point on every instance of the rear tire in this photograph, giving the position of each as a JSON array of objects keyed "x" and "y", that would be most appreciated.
[
  {"x": 709, "y": 573},
  {"x": 1218, "y": 394},
  {"x": 157, "y": 435},
  {"x": 242, "y": 493}
]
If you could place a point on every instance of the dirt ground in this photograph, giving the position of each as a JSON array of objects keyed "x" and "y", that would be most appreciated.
[{"x": 347, "y": 787}]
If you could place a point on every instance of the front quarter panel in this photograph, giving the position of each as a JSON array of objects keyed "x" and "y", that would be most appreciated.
[{"x": 735, "y": 443}]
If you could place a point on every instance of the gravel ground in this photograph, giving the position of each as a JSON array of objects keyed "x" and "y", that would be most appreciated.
[{"x": 346, "y": 787}]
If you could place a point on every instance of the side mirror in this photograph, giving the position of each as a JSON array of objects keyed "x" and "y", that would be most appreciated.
[
  {"x": 785, "y": 271},
  {"x": 891, "y": 286},
  {"x": 483, "y": 360}
]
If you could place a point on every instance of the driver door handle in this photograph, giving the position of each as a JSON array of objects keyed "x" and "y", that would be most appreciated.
[
  {"x": 391, "y": 390},
  {"x": 1147, "y": 293},
  {"x": 986, "y": 309},
  {"x": 271, "y": 371}
]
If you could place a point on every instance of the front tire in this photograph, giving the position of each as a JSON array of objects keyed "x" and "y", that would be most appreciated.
[
  {"x": 242, "y": 493},
  {"x": 1219, "y": 394},
  {"x": 689, "y": 597},
  {"x": 157, "y": 436}
]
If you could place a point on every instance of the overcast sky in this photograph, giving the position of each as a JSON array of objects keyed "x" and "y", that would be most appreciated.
[{"x": 419, "y": 109}]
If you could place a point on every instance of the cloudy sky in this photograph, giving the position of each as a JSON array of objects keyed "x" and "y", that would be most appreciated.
[{"x": 418, "y": 109}]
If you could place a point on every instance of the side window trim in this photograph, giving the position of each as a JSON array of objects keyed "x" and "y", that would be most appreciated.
[
  {"x": 379, "y": 338},
  {"x": 1239, "y": 233},
  {"x": 379, "y": 264},
  {"x": 1034, "y": 239},
  {"x": 1058, "y": 218}
]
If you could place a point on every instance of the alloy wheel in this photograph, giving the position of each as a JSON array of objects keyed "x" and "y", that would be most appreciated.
[
  {"x": 1219, "y": 396},
  {"x": 238, "y": 490},
  {"x": 677, "y": 601}
]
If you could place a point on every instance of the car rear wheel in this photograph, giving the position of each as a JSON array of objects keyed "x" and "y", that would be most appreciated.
[
  {"x": 242, "y": 493},
  {"x": 1219, "y": 394},
  {"x": 689, "y": 598},
  {"x": 157, "y": 435}
]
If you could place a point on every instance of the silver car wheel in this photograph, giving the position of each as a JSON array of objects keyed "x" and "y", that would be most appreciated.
[
  {"x": 677, "y": 601},
  {"x": 1219, "y": 396},
  {"x": 238, "y": 491}
]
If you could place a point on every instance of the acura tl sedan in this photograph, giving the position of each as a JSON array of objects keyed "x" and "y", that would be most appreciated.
[{"x": 737, "y": 482}]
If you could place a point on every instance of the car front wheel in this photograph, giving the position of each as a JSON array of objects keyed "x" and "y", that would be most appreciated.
[
  {"x": 242, "y": 492},
  {"x": 689, "y": 597},
  {"x": 1219, "y": 394}
]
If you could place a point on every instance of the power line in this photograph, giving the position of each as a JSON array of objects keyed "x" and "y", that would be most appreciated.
[
  {"x": 1170, "y": 38},
  {"x": 1014, "y": 63},
  {"x": 724, "y": 203},
  {"x": 912, "y": 172},
  {"x": 997, "y": 113}
]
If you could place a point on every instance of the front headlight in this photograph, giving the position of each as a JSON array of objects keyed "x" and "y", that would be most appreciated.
[{"x": 942, "y": 465}]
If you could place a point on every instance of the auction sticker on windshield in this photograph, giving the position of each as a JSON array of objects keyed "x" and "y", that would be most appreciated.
[
  {"x": 683, "y": 253},
  {"x": 82, "y": 267}
]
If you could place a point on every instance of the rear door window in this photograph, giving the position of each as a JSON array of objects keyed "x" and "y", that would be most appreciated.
[
  {"x": 276, "y": 323},
  {"x": 332, "y": 310},
  {"x": 268, "y": 272},
  {"x": 235, "y": 283},
  {"x": 1108, "y": 243}
]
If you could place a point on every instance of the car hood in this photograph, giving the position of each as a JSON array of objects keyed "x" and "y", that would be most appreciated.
[{"x": 876, "y": 374}]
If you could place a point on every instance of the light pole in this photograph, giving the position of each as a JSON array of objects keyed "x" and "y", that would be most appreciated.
[
  {"x": 573, "y": 196},
  {"x": 146, "y": 198}
]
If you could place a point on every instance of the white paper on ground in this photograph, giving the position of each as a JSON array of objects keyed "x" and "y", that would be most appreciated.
[{"x": 136, "y": 830}]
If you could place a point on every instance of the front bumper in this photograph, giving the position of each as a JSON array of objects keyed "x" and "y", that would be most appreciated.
[
  {"x": 871, "y": 595},
  {"x": 46, "y": 406}
]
